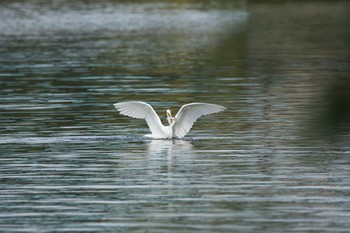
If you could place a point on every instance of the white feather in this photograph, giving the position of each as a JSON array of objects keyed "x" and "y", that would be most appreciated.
[
  {"x": 141, "y": 110},
  {"x": 184, "y": 119},
  {"x": 188, "y": 115}
]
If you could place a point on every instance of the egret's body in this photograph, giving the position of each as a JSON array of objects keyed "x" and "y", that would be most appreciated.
[{"x": 178, "y": 126}]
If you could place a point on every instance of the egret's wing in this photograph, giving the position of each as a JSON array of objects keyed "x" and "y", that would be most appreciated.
[
  {"x": 141, "y": 110},
  {"x": 189, "y": 113}
]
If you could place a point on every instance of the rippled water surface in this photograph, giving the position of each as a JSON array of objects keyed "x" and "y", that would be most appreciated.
[{"x": 276, "y": 161}]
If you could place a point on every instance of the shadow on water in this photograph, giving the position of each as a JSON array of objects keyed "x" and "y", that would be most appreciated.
[{"x": 170, "y": 148}]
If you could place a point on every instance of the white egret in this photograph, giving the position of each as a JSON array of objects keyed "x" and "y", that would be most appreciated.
[{"x": 178, "y": 126}]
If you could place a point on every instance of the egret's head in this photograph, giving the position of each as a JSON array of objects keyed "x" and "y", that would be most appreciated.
[
  {"x": 168, "y": 113},
  {"x": 169, "y": 117}
]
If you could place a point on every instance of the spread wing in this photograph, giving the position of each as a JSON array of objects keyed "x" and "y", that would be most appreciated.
[
  {"x": 189, "y": 113},
  {"x": 141, "y": 110}
]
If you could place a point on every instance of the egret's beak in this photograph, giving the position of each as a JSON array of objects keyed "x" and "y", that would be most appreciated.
[{"x": 169, "y": 117}]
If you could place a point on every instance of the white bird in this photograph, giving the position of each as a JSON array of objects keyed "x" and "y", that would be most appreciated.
[{"x": 178, "y": 126}]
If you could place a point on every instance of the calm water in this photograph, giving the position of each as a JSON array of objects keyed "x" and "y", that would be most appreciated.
[{"x": 69, "y": 162}]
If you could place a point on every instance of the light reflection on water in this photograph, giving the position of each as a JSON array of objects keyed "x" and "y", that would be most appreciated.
[{"x": 69, "y": 162}]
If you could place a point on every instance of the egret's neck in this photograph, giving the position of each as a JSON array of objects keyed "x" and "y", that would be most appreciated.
[{"x": 171, "y": 121}]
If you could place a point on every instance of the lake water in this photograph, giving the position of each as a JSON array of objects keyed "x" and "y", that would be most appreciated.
[{"x": 276, "y": 161}]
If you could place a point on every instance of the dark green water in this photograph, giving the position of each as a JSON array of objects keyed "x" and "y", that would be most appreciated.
[{"x": 276, "y": 161}]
